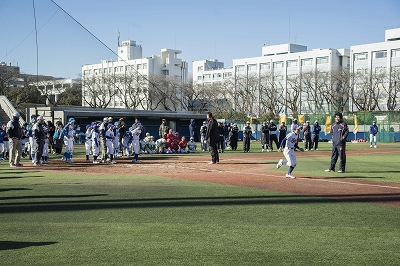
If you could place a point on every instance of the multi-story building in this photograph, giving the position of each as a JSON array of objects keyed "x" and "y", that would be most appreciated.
[
  {"x": 281, "y": 68},
  {"x": 376, "y": 78},
  {"x": 134, "y": 81}
]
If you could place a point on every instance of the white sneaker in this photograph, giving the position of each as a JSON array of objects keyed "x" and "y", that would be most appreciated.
[
  {"x": 113, "y": 162},
  {"x": 316, "y": 149},
  {"x": 211, "y": 162},
  {"x": 262, "y": 150},
  {"x": 375, "y": 147},
  {"x": 96, "y": 162},
  {"x": 370, "y": 146},
  {"x": 279, "y": 164},
  {"x": 289, "y": 176}
]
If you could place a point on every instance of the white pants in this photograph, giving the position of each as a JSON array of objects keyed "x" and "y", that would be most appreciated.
[
  {"x": 1, "y": 147},
  {"x": 6, "y": 146},
  {"x": 136, "y": 146},
  {"x": 45, "y": 149},
  {"x": 88, "y": 146},
  {"x": 110, "y": 147},
  {"x": 32, "y": 145},
  {"x": 69, "y": 144},
  {"x": 290, "y": 156},
  {"x": 95, "y": 148},
  {"x": 372, "y": 138}
]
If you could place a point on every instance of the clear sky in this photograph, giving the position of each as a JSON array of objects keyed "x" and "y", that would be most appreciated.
[{"x": 202, "y": 29}]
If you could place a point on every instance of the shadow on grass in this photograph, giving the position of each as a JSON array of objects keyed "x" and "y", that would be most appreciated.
[
  {"x": 52, "y": 197},
  {"x": 8, "y": 245},
  {"x": 79, "y": 205},
  {"x": 16, "y": 177},
  {"x": 13, "y": 189}
]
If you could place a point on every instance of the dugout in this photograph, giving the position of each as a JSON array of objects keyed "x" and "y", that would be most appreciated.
[{"x": 151, "y": 120}]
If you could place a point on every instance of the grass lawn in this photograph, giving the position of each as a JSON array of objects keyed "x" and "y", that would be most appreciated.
[{"x": 97, "y": 219}]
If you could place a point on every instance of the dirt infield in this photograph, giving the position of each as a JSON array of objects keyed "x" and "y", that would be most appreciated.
[{"x": 234, "y": 170}]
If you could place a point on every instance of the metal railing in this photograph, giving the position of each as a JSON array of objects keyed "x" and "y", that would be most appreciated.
[{"x": 9, "y": 109}]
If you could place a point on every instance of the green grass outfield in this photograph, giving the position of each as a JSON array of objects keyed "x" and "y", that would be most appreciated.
[{"x": 95, "y": 219}]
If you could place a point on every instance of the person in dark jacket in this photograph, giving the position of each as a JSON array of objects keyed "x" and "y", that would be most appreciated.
[
  {"x": 273, "y": 138},
  {"x": 213, "y": 136},
  {"x": 58, "y": 138},
  {"x": 14, "y": 132},
  {"x": 264, "y": 136},
  {"x": 233, "y": 136},
  {"x": 203, "y": 134},
  {"x": 307, "y": 135},
  {"x": 282, "y": 133},
  {"x": 193, "y": 130},
  {"x": 315, "y": 135},
  {"x": 339, "y": 132},
  {"x": 164, "y": 128},
  {"x": 221, "y": 141},
  {"x": 39, "y": 135},
  {"x": 247, "y": 132}
]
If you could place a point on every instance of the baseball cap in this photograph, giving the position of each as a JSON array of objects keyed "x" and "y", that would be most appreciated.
[
  {"x": 40, "y": 118},
  {"x": 139, "y": 124},
  {"x": 16, "y": 115},
  {"x": 88, "y": 126},
  {"x": 247, "y": 122},
  {"x": 316, "y": 121},
  {"x": 110, "y": 125},
  {"x": 72, "y": 120},
  {"x": 271, "y": 121},
  {"x": 105, "y": 119},
  {"x": 307, "y": 121},
  {"x": 295, "y": 127}
]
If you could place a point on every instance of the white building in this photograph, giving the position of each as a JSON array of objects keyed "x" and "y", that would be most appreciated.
[
  {"x": 126, "y": 83},
  {"x": 374, "y": 59},
  {"x": 54, "y": 87},
  {"x": 278, "y": 63}
]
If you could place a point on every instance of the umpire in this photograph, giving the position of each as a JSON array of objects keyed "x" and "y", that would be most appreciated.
[{"x": 213, "y": 136}]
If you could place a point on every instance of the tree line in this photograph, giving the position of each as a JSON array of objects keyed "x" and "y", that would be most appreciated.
[{"x": 261, "y": 95}]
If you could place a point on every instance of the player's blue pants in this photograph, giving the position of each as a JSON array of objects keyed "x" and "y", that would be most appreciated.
[{"x": 338, "y": 151}]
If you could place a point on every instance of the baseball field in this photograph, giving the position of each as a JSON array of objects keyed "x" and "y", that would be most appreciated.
[{"x": 179, "y": 210}]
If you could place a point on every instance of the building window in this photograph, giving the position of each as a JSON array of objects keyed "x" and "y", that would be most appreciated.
[
  {"x": 145, "y": 66},
  {"x": 306, "y": 62},
  {"x": 322, "y": 60},
  {"x": 362, "y": 71},
  {"x": 227, "y": 75},
  {"x": 396, "y": 53},
  {"x": 360, "y": 56},
  {"x": 265, "y": 66},
  {"x": 207, "y": 76},
  {"x": 199, "y": 77},
  {"x": 278, "y": 64},
  {"x": 380, "y": 70},
  {"x": 240, "y": 68},
  {"x": 217, "y": 76},
  {"x": 252, "y": 67},
  {"x": 291, "y": 63},
  {"x": 200, "y": 68},
  {"x": 380, "y": 54}
]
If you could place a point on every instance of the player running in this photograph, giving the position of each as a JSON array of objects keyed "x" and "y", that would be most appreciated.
[{"x": 291, "y": 145}]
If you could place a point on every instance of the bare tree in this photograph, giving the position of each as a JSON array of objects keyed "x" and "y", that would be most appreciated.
[
  {"x": 293, "y": 93},
  {"x": 271, "y": 94},
  {"x": 7, "y": 77},
  {"x": 99, "y": 91},
  {"x": 393, "y": 89},
  {"x": 367, "y": 89}
]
